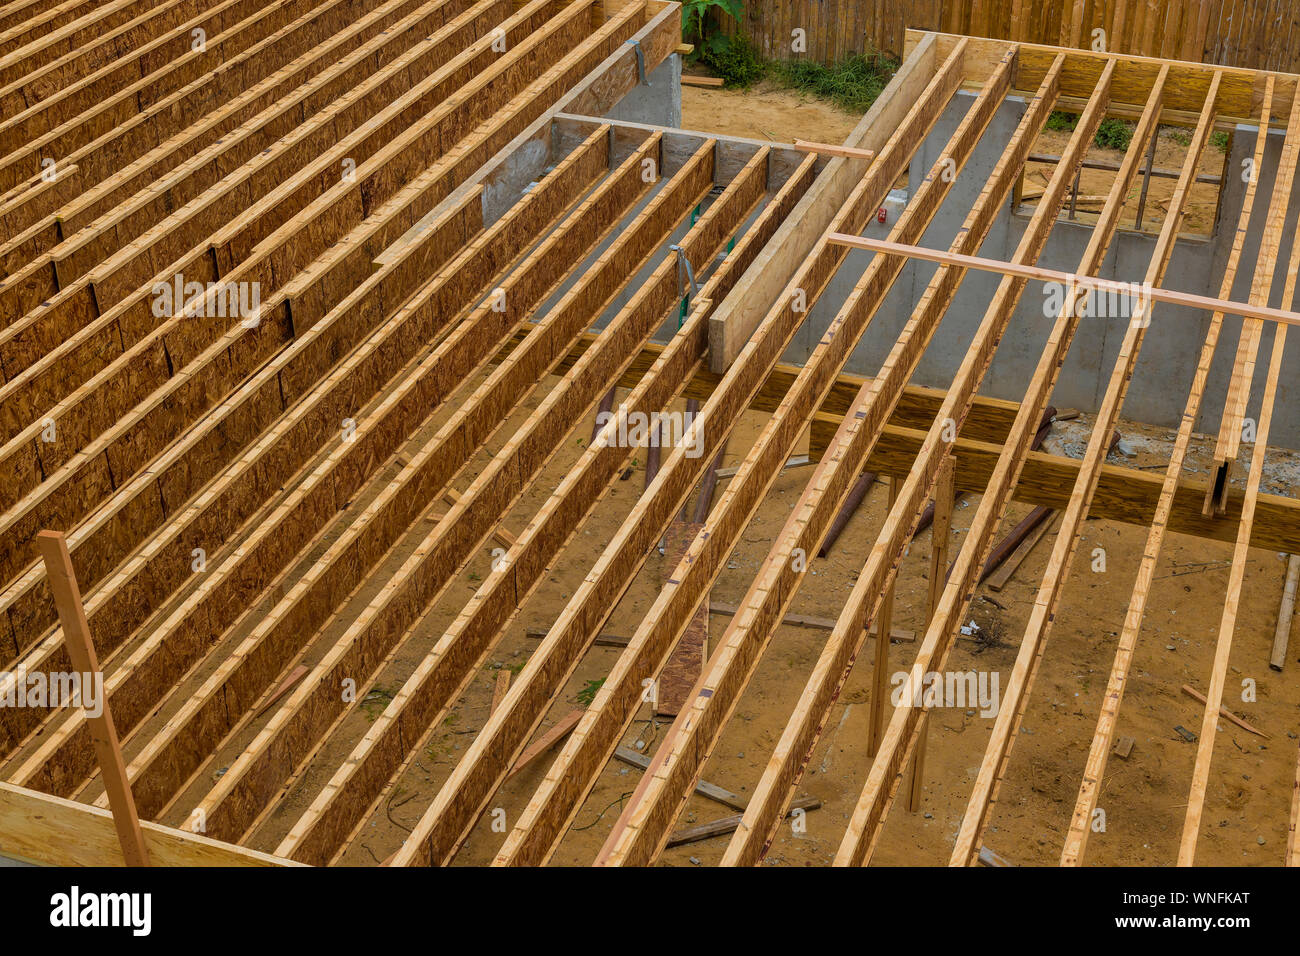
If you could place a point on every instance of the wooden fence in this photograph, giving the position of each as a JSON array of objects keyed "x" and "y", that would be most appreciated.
[{"x": 1256, "y": 34}]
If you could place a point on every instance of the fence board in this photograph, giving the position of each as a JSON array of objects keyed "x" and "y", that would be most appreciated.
[{"x": 1252, "y": 34}]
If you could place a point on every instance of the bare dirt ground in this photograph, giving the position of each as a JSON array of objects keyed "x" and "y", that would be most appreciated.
[
  {"x": 766, "y": 112},
  {"x": 1171, "y": 153}
]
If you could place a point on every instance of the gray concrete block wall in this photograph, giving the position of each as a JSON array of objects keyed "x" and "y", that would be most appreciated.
[
  {"x": 658, "y": 101},
  {"x": 1172, "y": 344}
]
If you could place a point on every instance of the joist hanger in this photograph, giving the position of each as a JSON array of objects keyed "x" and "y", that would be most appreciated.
[{"x": 640, "y": 62}]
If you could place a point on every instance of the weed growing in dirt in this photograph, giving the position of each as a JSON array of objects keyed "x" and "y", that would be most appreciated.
[
  {"x": 852, "y": 84},
  {"x": 1220, "y": 141},
  {"x": 588, "y": 692},
  {"x": 1114, "y": 134},
  {"x": 737, "y": 62},
  {"x": 700, "y": 24},
  {"x": 1111, "y": 133},
  {"x": 1062, "y": 122}
]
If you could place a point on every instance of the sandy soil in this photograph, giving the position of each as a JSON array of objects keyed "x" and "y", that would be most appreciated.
[
  {"x": 767, "y": 112},
  {"x": 1171, "y": 153}
]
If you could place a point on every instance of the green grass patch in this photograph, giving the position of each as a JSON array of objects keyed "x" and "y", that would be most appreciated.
[
  {"x": 1111, "y": 133},
  {"x": 852, "y": 84},
  {"x": 1114, "y": 134},
  {"x": 1062, "y": 122},
  {"x": 736, "y": 61},
  {"x": 588, "y": 692}
]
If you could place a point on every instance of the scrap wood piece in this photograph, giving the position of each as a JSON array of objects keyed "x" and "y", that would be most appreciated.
[
  {"x": 725, "y": 825},
  {"x": 703, "y": 788},
  {"x": 606, "y": 406},
  {"x": 988, "y": 858},
  {"x": 897, "y": 635},
  {"x": 563, "y": 727},
  {"x": 688, "y": 80},
  {"x": 603, "y": 640},
  {"x": 1226, "y": 714},
  {"x": 1285, "y": 614},
  {"x": 829, "y": 149},
  {"x": 500, "y": 689},
  {"x": 794, "y": 461},
  {"x": 709, "y": 485},
  {"x": 81, "y": 652},
  {"x": 999, "y": 577},
  {"x": 686, "y": 662},
  {"x": 1124, "y": 747},
  {"x": 1012, "y": 542},
  {"x": 295, "y": 675},
  {"x": 851, "y": 505}
]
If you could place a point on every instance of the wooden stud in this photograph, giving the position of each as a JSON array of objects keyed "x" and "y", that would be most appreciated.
[
  {"x": 1285, "y": 614},
  {"x": 81, "y": 650},
  {"x": 880, "y": 659},
  {"x": 944, "y": 499}
]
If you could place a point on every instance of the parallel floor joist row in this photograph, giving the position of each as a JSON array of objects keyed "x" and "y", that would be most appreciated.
[
  {"x": 554, "y": 337},
  {"x": 437, "y": 328}
]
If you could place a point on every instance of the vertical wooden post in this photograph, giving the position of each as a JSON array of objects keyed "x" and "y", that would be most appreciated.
[
  {"x": 880, "y": 670},
  {"x": 81, "y": 651},
  {"x": 1293, "y": 832},
  {"x": 940, "y": 536},
  {"x": 1285, "y": 614}
]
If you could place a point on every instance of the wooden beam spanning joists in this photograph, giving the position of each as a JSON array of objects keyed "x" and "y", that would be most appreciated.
[{"x": 739, "y": 314}]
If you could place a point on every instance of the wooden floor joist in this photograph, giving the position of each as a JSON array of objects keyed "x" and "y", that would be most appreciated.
[
  {"x": 314, "y": 597},
  {"x": 1094, "y": 772},
  {"x": 438, "y": 679},
  {"x": 423, "y": 576},
  {"x": 595, "y": 738},
  {"x": 1007, "y": 723},
  {"x": 633, "y": 11},
  {"x": 459, "y": 258},
  {"x": 867, "y": 599}
]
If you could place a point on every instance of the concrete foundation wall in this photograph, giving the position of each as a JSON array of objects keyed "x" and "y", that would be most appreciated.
[{"x": 1171, "y": 346}]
